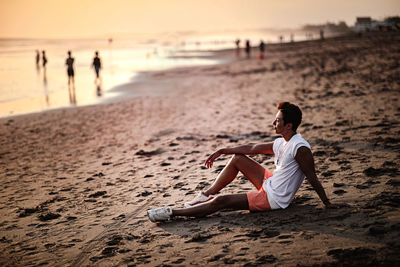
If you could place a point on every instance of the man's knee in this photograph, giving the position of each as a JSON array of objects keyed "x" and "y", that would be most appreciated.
[{"x": 238, "y": 157}]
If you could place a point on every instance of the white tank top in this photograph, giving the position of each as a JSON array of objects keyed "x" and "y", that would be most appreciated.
[{"x": 287, "y": 176}]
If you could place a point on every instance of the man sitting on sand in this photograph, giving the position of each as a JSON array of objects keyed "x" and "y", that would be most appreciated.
[{"x": 293, "y": 161}]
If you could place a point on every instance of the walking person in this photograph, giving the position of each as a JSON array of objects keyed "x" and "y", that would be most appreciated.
[
  {"x": 37, "y": 58},
  {"x": 44, "y": 59},
  {"x": 97, "y": 65},
  {"x": 247, "y": 48},
  {"x": 237, "y": 42},
  {"x": 70, "y": 68},
  {"x": 71, "y": 78},
  {"x": 262, "y": 49}
]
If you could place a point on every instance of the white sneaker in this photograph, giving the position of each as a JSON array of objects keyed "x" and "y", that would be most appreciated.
[
  {"x": 160, "y": 214},
  {"x": 199, "y": 200}
]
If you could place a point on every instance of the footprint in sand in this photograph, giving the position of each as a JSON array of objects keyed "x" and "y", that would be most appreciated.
[
  {"x": 339, "y": 192},
  {"x": 144, "y": 194},
  {"x": 338, "y": 184},
  {"x": 97, "y": 194},
  {"x": 48, "y": 216},
  {"x": 266, "y": 259}
]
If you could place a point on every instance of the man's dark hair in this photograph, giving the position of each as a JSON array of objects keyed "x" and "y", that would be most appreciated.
[{"x": 291, "y": 114}]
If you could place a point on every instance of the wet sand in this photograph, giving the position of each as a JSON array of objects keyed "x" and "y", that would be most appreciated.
[{"x": 76, "y": 183}]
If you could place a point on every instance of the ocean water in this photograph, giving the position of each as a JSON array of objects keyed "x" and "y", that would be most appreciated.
[{"x": 26, "y": 87}]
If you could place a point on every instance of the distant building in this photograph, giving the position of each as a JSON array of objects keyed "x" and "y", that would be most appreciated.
[
  {"x": 363, "y": 24},
  {"x": 393, "y": 23},
  {"x": 366, "y": 24}
]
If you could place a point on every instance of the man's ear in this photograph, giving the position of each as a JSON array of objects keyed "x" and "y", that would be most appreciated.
[{"x": 289, "y": 126}]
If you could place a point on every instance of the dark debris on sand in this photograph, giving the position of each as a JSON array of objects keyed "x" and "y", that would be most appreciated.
[{"x": 48, "y": 216}]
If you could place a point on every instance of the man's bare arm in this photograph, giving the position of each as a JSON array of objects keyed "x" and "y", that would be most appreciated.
[
  {"x": 306, "y": 161},
  {"x": 265, "y": 148}
]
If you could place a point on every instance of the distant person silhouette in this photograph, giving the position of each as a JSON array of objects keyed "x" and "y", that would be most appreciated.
[
  {"x": 321, "y": 34},
  {"x": 237, "y": 42},
  {"x": 262, "y": 49},
  {"x": 71, "y": 74},
  {"x": 97, "y": 65},
  {"x": 37, "y": 59},
  {"x": 44, "y": 59},
  {"x": 247, "y": 48},
  {"x": 70, "y": 68}
]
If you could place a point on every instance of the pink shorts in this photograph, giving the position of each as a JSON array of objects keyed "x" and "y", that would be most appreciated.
[{"x": 258, "y": 200}]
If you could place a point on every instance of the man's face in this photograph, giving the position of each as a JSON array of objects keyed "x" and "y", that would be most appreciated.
[{"x": 278, "y": 123}]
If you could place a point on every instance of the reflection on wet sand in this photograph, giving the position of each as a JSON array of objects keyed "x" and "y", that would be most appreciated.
[
  {"x": 38, "y": 69},
  {"x": 96, "y": 64},
  {"x": 72, "y": 93},
  {"x": 46, "y": 91},
  {"x": 98, "y": 82},
  {"x": 99, "y": 90}
]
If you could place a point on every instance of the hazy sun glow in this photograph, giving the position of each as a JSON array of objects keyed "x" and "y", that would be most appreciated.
[{"x": 91, "y": 18}]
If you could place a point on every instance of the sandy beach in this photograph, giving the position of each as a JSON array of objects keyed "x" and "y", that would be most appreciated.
[{"x": 75, "y": 183}]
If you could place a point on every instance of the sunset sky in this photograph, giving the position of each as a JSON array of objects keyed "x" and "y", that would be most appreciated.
[{"x": 91, "y": 18}]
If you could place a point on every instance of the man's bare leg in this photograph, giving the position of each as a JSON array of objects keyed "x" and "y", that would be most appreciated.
[
  {"x": 234, "y": 201},
  {"x": 250, "y": 168}
]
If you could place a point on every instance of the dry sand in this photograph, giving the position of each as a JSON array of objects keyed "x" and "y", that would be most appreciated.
[{"x": 76, "y": 183}]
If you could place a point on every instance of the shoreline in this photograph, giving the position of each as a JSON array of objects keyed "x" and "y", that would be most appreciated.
[
  {"x": 223, "y": 56},
  {"x": 76, "y": 183},
  {"x": 46, "y": 90}
]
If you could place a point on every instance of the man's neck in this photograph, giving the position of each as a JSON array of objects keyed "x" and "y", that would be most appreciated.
[{"x": 288, "y": 135}]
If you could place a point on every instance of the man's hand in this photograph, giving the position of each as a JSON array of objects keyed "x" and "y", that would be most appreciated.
[
  {"x": 210, "y": 160},
  {"x": 265, "y": 148}
]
